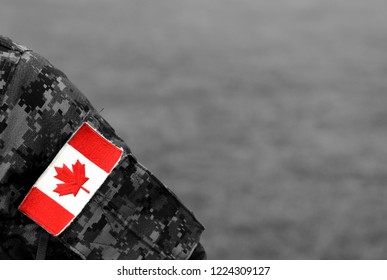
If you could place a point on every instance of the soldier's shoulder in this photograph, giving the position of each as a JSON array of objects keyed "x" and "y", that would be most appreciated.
[{"x": 8, "y": 45}]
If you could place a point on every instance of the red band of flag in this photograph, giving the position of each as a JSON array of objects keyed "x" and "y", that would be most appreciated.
[
  {"x": 45, "y": 211},
  {"x": 96, "y": 148}
]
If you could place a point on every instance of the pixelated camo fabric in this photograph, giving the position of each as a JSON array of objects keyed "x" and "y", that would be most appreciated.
[{"x": 131, "y": 216}]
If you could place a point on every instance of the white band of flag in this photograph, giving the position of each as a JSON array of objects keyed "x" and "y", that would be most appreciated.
[{"x": 72, "y": 178}]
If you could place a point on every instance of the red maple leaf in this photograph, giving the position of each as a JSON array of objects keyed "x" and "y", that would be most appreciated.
[{"x": 72, "y": 180}]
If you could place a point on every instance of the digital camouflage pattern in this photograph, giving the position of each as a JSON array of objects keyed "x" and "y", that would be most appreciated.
[{"x": 132, "y": 216}]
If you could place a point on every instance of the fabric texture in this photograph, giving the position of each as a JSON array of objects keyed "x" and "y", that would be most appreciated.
[{"x": 131, "y": 216}]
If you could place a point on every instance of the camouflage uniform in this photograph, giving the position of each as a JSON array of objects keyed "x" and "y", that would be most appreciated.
[{"x": 131, "y": 216}]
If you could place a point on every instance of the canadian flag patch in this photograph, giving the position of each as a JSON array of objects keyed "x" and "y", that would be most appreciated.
[{"x": 72, "y": 178}]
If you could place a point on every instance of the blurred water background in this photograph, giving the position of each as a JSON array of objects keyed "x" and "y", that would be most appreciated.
[{"x": 267, "y": 118}]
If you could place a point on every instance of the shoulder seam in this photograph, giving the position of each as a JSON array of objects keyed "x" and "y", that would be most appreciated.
[
  {"x": 13, "y": 46},
  {"x": 18, "y": 54}
]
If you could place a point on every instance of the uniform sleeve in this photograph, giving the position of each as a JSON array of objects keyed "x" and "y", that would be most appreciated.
[{"x": 131, "y": 216}]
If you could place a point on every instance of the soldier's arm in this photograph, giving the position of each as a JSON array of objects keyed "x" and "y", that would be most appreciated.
[{"x": 131, "y": 216}]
